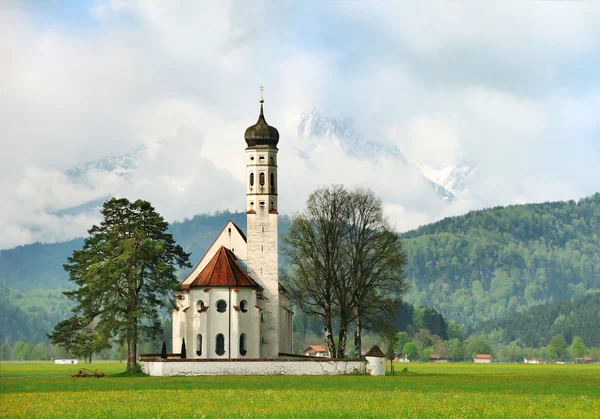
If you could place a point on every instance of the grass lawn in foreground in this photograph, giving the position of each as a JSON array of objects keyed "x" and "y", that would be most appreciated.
[{"x": 427, "y": 390}]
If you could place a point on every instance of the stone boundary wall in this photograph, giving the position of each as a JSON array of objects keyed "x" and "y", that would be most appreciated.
[{"x": 193, "y": 367}]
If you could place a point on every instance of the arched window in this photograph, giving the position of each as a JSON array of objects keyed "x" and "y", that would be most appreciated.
[
  {"x": 243, "y": 348},
  {"x": 244, "y": 306},
  {"x": 199, "y": 306},
  {"x": 261, "y": 179},
  {"x": 199, "y": 345},
  {"x": 220, "y": 344},
  {"x": 272, "y": 182},
  {"x": 252, "y": 179},
  {"x": 221, "y": 306}
]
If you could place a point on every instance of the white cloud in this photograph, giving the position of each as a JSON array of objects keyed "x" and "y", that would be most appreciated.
[{"x": 508, "y": 86}]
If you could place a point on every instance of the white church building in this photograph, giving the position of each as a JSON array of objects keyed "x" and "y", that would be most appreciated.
[{"x": 232, "y": 304}]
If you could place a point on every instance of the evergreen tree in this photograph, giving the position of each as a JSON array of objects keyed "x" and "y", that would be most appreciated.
[
  {"x": 124, "y": 273},
  {"x": 183, "y": 350},
  {"x": 163, "y": 352}
]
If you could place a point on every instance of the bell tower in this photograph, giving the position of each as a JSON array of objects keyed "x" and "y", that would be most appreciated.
[{"x": 262, "y": 212}]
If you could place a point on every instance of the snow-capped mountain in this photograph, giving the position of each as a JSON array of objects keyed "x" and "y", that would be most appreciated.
[
  {"x": 341, "y": 131},
  {"x": 122, "y": 166},
  {"x": 90, "y": 208},
  {"x": 119, "y": 165},
  {"x": 455, "y": 178}
]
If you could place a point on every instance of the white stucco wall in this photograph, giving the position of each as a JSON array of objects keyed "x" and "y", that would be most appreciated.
[
  {"x": 262, "y": 248},
  {"x": 285, "y": 330},
  {"x": 209, "y": 323},
  {"x": 167, "y": 369},
  {"x": 375, "y": 365},
  {"x": 246, "y": 323},
  {"x": 231, "y": 239},
  {"x": 268, "y": 329}
]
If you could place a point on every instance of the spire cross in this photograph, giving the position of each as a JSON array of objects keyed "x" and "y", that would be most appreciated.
[{"x": 261, "y": 88}]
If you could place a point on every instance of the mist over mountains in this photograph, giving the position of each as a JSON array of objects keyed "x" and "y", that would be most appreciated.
[{"x": 181, "y": 178}]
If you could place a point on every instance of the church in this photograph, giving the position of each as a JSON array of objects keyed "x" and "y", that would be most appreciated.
[{"x": 232, "y": 304}]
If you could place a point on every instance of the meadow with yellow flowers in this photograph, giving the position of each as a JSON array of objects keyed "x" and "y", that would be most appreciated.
[{"x": 44, "y": 390}]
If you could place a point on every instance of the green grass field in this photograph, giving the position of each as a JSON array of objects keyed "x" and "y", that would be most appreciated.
[{"x": 30, "y": 390}]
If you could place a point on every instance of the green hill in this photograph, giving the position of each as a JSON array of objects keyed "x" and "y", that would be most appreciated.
[
  {"x": 473, "y": 268},
  {"x": 535, "y": 326},
  {"x": 39, "y": 266},
  {"x": 491, "y": 263}
]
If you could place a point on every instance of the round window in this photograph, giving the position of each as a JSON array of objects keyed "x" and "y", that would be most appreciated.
[
  {"x": 221, "y": 306},
  {"x": 244, "y": 306}
]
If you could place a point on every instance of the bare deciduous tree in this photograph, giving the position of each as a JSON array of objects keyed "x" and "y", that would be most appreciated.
[
  {"x": 375, "y": 261},
  {"x": 314, "y": 247},
  {"x": 345, "y": 259}
]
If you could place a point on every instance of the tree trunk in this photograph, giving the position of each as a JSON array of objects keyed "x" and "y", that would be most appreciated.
[
  {"x": 357, "y": 335},
  {"x": 342, "y": 339},
  {"x": 329, "y": 334},
  {"x": 132, "y": 347}
]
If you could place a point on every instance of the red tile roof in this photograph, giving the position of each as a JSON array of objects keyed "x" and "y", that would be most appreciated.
[
  {"x": 483, "y": 356},
  {"x": 222, "y": 271},
  {"x": 316, "y": 348}
]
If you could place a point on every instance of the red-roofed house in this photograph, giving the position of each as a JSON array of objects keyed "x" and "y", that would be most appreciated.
[
  {"x": 584, "y": 360},
  {"x": 482, "y": 359},
  {"x": 315, "y": 350},
  {"x": 231, "y": 304}
]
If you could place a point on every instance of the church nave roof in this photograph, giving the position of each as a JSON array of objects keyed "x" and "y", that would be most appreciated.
[{"x": 222, "y": 271}]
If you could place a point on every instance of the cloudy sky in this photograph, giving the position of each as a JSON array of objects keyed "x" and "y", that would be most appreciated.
[{"x": 513, "y": 87}]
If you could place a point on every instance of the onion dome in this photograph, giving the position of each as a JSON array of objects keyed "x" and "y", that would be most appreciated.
[{"x": 261, "y": 134}]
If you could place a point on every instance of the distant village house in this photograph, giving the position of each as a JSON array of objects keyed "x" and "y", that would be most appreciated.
[
  {"x": 402, "y": 357},
  {"x": 482, "y": 359},
  {"x": 436, "y": 358},
  {"x": 315, "y": 350}
]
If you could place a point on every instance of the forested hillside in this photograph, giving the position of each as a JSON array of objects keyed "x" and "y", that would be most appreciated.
[
  {"x": 480, "y": 266},
  {"x": 491, "y": 263},
  {"x": 32, "y": 276},
  {"x": 37, "y": 265},
  {"x": 536, "y": 326},
  {"x": 41, "y": 265},
  {"x": 29, "y": 314}
]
